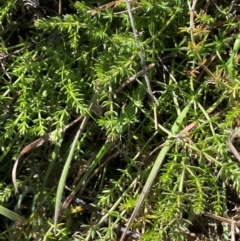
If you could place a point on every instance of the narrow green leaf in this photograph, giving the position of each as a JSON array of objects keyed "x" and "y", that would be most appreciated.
[
  {"x": 65, "y": 171},
  {"x": 11, "y": 215},
  {"x": 157, "y": 164}
]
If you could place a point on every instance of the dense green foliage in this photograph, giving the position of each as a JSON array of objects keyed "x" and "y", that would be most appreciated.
[{"x": 56, "y": 67}]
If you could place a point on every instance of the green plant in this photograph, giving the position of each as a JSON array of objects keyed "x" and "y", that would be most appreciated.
[{"x": 84, "y": 65}]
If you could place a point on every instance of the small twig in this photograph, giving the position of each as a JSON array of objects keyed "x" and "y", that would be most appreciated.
[
  {"x": 152, "y": 99},
  {"x": 143, "y": 63},
  {"x": 182, "y": 133},
  {"x": 192, "y": 13},
  {"x": 5, "y": 70},
  {"x": 60, "y": 7},
  {"x": 188, "y": 128},
  {"x": 221, "y": 219},
  {"x": 131, "y": 79},
  {"x": 192, "y": 26},
  {"x": 232, "y": 231},
  {"x": 188, "y": 233},
  {"x": 231, "y": 146},
  {"x": 141, "y": 55},
  {"x": 166, "y": 69},
  {"x": 107, "y": 6},
  {"x": 133, "y": 9}
]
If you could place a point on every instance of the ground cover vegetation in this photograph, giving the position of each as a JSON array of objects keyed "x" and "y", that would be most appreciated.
[{"x": 88, "y": 152}]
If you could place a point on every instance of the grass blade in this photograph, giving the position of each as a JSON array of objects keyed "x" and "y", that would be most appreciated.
[
  {"x": 12, "y": 215},
  {"x": 65, "y": 171},
  {"x": 156, "y": 166}
]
